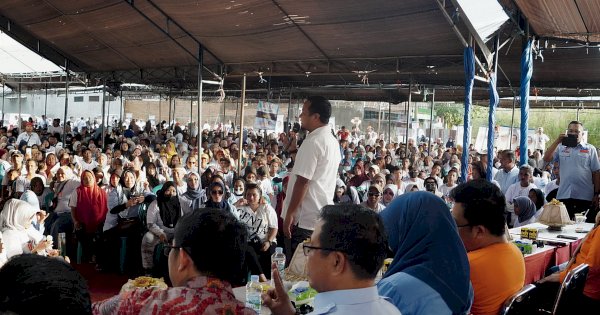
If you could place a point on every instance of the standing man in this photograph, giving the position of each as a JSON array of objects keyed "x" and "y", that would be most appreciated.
[
  {"x": 508, "y": 173},
  {"x": 539, "y": 140},
  {"x": 579, "y": 186},
  {"x": 312, "y": 180},
  {"x": 28, "y": 137}
]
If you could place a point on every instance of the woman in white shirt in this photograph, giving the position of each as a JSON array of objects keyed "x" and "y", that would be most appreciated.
[
  {"x": 261, "y": 220},
  {"x": 450, "y": 184}
]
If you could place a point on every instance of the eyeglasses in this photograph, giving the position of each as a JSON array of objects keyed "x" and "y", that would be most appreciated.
[
  {"x": 374, "y": 194},
  {"x": 216, "y": 192},
  {"x": 308, "y": 248},
  {"x": 167, "y": 249}
]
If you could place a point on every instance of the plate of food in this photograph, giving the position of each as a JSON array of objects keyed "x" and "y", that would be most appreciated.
[{"x": 145, "y": 283}]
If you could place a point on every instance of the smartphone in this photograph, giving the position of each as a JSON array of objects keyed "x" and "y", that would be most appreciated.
[
  {"x": 28, "y": 151},
  {"x": 570, "y": 141}
]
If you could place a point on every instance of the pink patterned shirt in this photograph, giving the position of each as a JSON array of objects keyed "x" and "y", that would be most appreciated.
[{"x": 201, "y": 295}]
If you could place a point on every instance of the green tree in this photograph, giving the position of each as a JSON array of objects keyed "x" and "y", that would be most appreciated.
[{"x": 451, "y": 114}]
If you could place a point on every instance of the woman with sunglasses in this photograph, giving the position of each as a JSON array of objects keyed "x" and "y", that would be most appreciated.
[
  {"x": 217, "y": 198},
  {"x": 261, "y": 221}
]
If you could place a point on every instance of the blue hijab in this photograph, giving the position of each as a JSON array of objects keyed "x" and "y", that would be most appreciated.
[{"x": 424, "y": 238}]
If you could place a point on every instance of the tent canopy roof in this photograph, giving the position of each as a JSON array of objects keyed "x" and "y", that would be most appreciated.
[{"x": 303, "y": 44}]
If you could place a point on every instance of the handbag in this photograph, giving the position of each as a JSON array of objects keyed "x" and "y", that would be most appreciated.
[{"x": 297, "y": 270}]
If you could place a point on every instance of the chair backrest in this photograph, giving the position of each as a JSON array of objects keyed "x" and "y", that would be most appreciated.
[
  {"x": 520, "y": 302},
  {"x": 570, "y": 289}
]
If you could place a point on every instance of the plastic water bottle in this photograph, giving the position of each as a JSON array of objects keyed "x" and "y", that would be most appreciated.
[
  {"x": 253, "y": 292},
  {"x": 279, "y": 259}
]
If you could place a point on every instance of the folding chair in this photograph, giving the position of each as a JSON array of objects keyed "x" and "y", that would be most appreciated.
[
  {"x": 570, "y": 289},
  {"x": 520, "y": 302}
]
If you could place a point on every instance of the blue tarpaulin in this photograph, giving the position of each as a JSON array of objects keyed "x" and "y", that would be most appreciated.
[
  {"x": 469, "y": 60},
  {"x": 491, "y": 124},
  {"x": 526, "y": 71}
]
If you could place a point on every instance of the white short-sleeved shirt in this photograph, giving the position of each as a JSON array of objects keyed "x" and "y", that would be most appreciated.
[
  {"x": 317, "y": 160},
  {"x": 515, "y": 190},
  {"x": 258, "y": 222}
]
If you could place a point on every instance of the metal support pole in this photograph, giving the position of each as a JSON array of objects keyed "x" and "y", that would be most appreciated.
[
  {"x": 191, "y": 113},
  {"x": 223, "y": 121},
  {"x": 169, "y": 111},
  {"x": 512, "y": 125},
  {"x": 122, "y": 109},
  {"x": 20, "y": 120},
  {"x": 389, "y": 122},
  {"x": 66, "y": 103},
  {"x": 46, "y": 103},
  {"x": 160, "y": 111},
  {"x": 578, "y": 107},
  {"x": 379, "y": 120},
  {"x": 102, "y": 128},
  {"x": 289, "y": 127},
  {"x": 408, "y": 111},
  {"x": 3, "y": 92},
  {"x": 199, "y": 138},
  {"x": 239, "y": 170},
  {"x": 431, "y": 119}
]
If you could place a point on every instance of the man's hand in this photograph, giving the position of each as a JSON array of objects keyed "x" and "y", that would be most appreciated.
[
  {"x": 555, "y": 277},
  {"x": 276, "y": 299},
  {"x": 163, "y": 238},
  {"x": 287, "y": 226}
]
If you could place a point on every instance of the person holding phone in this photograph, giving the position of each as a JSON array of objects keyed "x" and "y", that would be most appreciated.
[{"x": 579, "y": 171}]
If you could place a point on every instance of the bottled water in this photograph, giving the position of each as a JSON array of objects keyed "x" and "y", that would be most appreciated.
[
  {"x": 253, "y": 292},
  {"x": 279, "y": 259}
]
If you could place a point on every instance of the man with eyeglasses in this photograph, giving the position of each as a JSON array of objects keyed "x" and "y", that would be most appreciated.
[
  {"x": 579, "y": 186},
  {"x": 344, "y": 255},
  {"x": 205, "y": 256},
  {"x": 497, "y": 265}
]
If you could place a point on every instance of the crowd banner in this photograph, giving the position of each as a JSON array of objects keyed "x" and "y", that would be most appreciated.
[
  {"x": 526, "y": 72},
  {"x": 469, "y": 60},
  {"x": 491, "y": 124},
  {"x": 266, "y": 116}
]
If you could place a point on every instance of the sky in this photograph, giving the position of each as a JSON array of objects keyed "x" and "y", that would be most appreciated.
[{"x": 16, "y": 58}]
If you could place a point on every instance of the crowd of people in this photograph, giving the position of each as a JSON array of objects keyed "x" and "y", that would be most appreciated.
[{"x": 354, "y": 197}]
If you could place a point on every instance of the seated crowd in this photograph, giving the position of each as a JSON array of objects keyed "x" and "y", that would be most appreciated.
[{"x": 151, "y": 202}]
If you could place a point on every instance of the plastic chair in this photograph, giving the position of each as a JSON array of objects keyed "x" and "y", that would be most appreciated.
[
  {"x": 520, "y": 302},
  {"x": 570, "y": 289}
]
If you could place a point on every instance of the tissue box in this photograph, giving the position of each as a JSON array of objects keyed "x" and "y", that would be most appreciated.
[{"x": 529, "y": 233}]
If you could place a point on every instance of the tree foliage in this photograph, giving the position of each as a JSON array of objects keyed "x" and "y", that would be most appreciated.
[{"x": 451, "y": 114}]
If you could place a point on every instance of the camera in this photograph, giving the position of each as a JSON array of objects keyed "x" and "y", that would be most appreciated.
[{"x": 570, "y": 141}]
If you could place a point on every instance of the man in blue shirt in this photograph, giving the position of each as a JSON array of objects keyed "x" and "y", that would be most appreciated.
[
  {"x": 508, "y": 173},
  {"x": 345, "y": 253},
  {"x": 579, "y": 186}
]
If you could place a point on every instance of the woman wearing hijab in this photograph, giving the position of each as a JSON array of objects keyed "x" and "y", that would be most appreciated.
[
  {"x": 163, "y": 214},
  {"x": 88, "y": 210},
  {"x": 524, "y": 210},
  {"x": 15, "y": 226},
  {"x": 195, "y": 196},
  {"x": 537, "y": 196},
  {"x": 124, "y": 200},
  {"x": 390, "y": 191},
  {"x": 430, "y": 270},
  {"x": 217, "y": 198}
]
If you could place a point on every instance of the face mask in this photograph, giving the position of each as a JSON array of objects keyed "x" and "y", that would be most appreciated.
[
  {"x": 497, "y": 165},
  {"x": 239, "y": 192}
]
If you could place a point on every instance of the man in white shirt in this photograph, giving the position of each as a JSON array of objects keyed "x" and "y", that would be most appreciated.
[
  {"x": 344, "y": 255},
  {"x": 312, "y": 180},
  {"x": 28, "y": 137},
  {"x": 539, "y": 140},
  {"x": 523, "y": 186},
  {"x": 55, "y": 128},
  {"x": 508, "y": 173}
]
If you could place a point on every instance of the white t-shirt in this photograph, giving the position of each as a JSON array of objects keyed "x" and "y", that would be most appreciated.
[
  {"x": 317, "y": 160},
  {"x": 445, "y": 189},
  {"x": 552, "y": 185},
  {"x": 515, "y": 190},
  {"x": 259, "y": 222},
  {"x": 30, "y": 139}
]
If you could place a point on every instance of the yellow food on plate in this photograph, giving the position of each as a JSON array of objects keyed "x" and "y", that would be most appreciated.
[
  {"x": 555, "y": 202},
  {"x": 144, "y": 282}
]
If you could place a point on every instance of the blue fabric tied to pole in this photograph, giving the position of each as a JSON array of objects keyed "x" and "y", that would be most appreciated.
[
  {"x": 526, "y": 72},
  {"x": 491, "y": 124},
  {"x": 469, "y": 60}
]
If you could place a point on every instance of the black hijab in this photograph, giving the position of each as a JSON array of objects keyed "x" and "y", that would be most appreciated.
[
  {"x": 218, "y": 205},
  {"x": 169, "y": 208}
]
